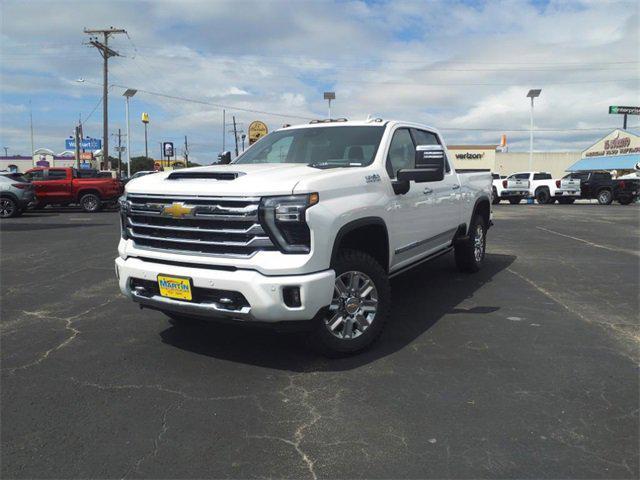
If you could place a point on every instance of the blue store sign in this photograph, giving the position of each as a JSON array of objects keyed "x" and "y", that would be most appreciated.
[{"x": 86, "y": 144}]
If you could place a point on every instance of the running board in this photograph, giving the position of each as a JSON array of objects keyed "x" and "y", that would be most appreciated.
[{"x": 420, "y": 262}]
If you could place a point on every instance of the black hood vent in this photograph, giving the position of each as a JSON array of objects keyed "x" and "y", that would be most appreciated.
[{"x": 204, "y": 175}]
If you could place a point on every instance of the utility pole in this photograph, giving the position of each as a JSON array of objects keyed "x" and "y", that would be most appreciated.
[
  {"x": 6, "y": 151},
  {"x": 186, "y": 152},
  {"x": 78, "y": 138},
  {"x": 224, "y": 133},
  {"x": 106, "y": 52},
  {"x": 120, "y": 149},
  {"x": 235, "y": 134}
]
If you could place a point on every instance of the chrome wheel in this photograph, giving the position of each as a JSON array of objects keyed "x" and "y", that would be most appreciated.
[
  {"x": 90, "y": 203},
  {"x": 7, "y": 208},
  {"x": 478, "y": 243},
  {"x": 354, "y": 305}
]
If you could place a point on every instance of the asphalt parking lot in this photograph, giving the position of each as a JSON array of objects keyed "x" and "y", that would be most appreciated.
[{"x": 528, "y": 369}]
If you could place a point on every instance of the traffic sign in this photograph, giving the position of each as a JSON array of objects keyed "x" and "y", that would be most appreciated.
[{"x": 615, "y": 109}]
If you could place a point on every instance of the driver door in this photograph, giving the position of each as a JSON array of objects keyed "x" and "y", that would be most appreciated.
[{"x": 408, "y": 219}]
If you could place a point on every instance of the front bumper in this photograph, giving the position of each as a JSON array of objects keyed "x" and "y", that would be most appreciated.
[{"x": 264, "y": 294}]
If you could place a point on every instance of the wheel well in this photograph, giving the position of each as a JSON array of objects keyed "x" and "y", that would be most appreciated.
[
  {"x": 9, "y": 195},
  {"x": 88, "y": 190},
  {"x": 370, "y": 237},
  {"x": 542, "y": 187},
  {"x": 483, "y": 208}
]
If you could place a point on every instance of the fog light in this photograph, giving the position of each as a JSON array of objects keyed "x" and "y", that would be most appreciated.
[{"x": 292, "y": 296}]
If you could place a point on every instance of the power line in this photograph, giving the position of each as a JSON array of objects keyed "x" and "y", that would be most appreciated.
[{"x": 218, "y": 105}]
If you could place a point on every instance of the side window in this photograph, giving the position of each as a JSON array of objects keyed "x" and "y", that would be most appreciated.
[
  {"x": 402, "y": 152},
  {"x": 35, "y": 175},
  {"x": 425, "y": 138},
  {"x": 56, "y": 175},
  {"x": 542, "y": 176}
]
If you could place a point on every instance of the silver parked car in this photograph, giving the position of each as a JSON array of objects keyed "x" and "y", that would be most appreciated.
[{"x": 16, "y": 193}]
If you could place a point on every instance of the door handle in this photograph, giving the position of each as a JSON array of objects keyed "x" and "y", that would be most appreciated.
[
  {"x": 455, "y": 186},
  {"x": 427, "y": 191}
]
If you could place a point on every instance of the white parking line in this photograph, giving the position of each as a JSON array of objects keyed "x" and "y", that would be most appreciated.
[{"x": 597, "y": 245}]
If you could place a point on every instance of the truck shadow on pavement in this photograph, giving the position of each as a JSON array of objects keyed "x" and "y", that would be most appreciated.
[{"x": 420, "y": 298}]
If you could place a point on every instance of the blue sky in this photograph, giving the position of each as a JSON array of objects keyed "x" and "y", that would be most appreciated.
[{"x": 464, "y": 67}]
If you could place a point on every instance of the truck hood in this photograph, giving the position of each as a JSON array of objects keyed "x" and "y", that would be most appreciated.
[{"x": 228, "y": 180}]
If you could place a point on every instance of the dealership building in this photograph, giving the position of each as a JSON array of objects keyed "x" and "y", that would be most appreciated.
[{"x": 618, "y": 150}]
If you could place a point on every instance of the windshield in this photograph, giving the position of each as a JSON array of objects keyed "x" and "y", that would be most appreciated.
[{"x": 344, "y": 146}]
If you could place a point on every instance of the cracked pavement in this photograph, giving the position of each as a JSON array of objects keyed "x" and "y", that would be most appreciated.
[{"x": 528, "y": 369}]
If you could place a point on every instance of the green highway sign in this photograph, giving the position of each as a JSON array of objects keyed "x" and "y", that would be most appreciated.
[{"x": 624, "y": 110}]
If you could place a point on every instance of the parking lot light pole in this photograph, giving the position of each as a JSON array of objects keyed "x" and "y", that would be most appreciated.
[
  {"x": 130, "y": 92},
  {"x": 532, "y": 94},
  {"x": 329, "y": 96}
]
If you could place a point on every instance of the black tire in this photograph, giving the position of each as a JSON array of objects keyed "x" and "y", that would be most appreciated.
[
  {"x": 9, "y": 208},
  {"x": 364, "y": 332},
  {"x": 543, "y": 196},
  {"x": 39, "y": 206},
  {"x": 515, "y": 201},
  {"x": 90, "y": 203},
  {"x": 470, "y": 253},
  {"x": 605, "y": 197},
  {"x": 625, "y": 200},
  {"x": 495, "y": 199}
]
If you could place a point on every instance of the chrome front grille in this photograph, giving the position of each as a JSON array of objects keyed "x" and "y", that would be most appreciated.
[{"x": 225, "y": 226}]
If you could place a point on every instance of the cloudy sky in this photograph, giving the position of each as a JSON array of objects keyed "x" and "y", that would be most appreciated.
[{"x": 464, "y": 67}]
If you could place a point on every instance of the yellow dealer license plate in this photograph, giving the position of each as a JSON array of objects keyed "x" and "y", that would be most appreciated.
[{"x": 175, "y": 287}]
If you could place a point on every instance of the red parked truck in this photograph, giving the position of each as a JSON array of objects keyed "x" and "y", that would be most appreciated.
[{"x": 63, "y": 186}]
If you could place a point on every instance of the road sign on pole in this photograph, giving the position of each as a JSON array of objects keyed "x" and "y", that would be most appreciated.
[{"x": 620, "y": 110}]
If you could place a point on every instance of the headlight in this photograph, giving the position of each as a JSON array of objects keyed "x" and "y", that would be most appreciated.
[
  {"x": 124, "y": 209},
  {"x": 283, "y": 218}
]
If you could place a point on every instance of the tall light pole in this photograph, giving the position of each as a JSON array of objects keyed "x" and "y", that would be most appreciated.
[
  {"x": 329, "y": 96},
  {"x": 145, "y": 120},
  {"x": 130, "y": 92},
  {"x": 532, "y": 94}
]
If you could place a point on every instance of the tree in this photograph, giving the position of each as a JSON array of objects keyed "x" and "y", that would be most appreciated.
[{"x": 141, "y": 163}]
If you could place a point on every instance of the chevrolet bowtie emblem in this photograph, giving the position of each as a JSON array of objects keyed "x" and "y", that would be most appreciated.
[{"x": 177, "y": 210}]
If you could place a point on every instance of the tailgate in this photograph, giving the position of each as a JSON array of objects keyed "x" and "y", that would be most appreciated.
[
  {"x": 517, "y": 184},
  {"x": 570, "y": 184}
]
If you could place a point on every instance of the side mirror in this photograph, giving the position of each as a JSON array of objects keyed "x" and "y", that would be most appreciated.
[
  {"x": 224, "y": 158},
  {"x": 431, "y": 159}
]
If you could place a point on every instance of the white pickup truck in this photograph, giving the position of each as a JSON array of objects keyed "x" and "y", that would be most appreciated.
[
  {"x": 545, "y": 189},
  {"x": 307, "y": 225},
  {"x": 508, "y": 188}
]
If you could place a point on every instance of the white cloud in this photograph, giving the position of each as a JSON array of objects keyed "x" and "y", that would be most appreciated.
[{"x": 445, "y": 63}]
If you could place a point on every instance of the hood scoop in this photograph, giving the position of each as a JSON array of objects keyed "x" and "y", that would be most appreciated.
[{"x": 204, "y": 175}]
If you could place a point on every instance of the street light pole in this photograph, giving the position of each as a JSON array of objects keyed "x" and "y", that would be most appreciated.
[
  {"x": 329, "y": 96},
  {"x": 130, "y": 92},
  {"x": 532, "y": 94}
]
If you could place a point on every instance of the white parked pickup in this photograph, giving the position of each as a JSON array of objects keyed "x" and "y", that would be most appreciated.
[
  {"x": 307, "y": 225},
  {"x": 545, "y": 189},
  {"x": 509, "y": 188}
]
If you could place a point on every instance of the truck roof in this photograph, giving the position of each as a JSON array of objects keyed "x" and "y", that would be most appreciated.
[{"x": 358, "y": 123}]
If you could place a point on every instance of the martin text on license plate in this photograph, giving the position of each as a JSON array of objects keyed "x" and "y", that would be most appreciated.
[{"x": 175, "y": 287}]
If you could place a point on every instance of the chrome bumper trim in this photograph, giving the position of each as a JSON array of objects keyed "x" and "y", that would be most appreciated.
[{"x": 211, "y": 310}]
